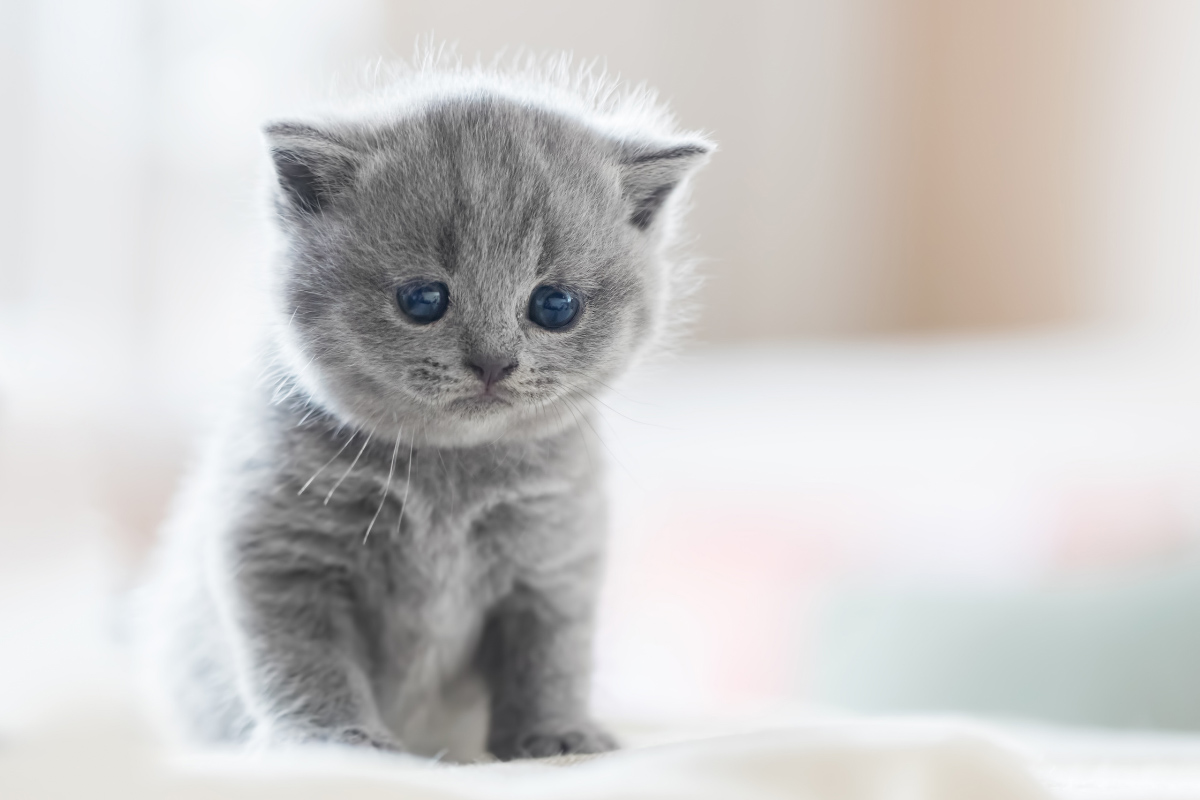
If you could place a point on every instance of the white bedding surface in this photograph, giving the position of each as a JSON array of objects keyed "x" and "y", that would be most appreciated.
[
  {"x": 105, "y": 757},
  {"x": 107, "y": 753}
]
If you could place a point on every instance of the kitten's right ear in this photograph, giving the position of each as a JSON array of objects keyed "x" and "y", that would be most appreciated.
[
  {"x": 651, "y": 171},
  {"x": 312, "y": 166}
]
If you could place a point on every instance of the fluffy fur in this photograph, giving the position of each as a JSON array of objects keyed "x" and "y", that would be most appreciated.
[{"x": 379, "y": 549}]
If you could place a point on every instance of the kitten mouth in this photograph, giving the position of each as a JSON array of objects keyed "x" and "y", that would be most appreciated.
[{"x": 482, "y": 400}]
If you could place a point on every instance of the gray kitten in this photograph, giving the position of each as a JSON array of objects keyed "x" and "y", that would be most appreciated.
[{"x": 398, "y": 542}]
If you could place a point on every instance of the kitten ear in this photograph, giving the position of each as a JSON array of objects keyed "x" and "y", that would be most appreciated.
[
  {"x": 651, "y": 171},
  {"x": 312, "y": 165}
]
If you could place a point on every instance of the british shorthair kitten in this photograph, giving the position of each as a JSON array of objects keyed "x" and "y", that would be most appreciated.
[{"x": 396, "y": 543}]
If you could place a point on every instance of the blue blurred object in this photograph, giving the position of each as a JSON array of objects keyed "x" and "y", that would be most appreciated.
[{"x": 1118, "y": 652}]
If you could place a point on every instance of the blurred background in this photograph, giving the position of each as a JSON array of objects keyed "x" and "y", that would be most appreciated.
[{"x": 934, "y": 445}]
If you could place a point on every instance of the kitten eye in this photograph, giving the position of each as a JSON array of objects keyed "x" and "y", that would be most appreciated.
[
  {"x": 553, "y": 307},
  {"x": 423, "y": 303}
]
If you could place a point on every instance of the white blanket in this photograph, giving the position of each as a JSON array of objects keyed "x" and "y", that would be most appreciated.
[
  {"x": 107, "y": 752},
  {"x": 107, "y": 756}
]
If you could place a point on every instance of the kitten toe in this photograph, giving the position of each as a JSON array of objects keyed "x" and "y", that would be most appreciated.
[
  {"x": 585, "y": 740},
  {"x": 345, "y": 736},
  {"x": 361, "y": 737}
]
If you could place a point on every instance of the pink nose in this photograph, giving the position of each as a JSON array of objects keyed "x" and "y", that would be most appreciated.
[{"x": 492, "y": 370}]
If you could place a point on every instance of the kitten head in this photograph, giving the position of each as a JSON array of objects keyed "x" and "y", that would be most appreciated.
[{"x": 471, "y": 264}]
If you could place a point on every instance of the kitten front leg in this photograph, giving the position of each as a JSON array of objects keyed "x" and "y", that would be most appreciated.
[
  {"x": 300, "y": 659},
  {"x": 536, "y": 660}
]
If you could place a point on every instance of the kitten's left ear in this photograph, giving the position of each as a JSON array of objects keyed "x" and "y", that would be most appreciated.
[
  {"x": 311, "y": 164},
  {"x": 651, "y": 171}
]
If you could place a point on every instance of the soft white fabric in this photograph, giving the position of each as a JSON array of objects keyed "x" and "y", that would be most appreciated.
[
  {"x": 108, "y": 754},
  {"x": 98, "y": 746},
  {"x": 107, "y": 757}
]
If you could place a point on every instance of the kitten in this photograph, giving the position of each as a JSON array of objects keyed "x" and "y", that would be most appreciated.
[{"x": 399, "y": 542}]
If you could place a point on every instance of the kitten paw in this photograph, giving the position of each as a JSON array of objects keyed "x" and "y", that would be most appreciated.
[
  {"x": 348, "y": 736},
  {"x": 582, "y": 739},
  {"x": 361, "y": 737}
]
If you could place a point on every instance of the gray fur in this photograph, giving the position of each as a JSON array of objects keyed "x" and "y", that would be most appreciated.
[{"x": 373, "y": 551}]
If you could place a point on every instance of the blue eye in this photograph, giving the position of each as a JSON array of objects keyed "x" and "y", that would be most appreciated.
[
  {"x": 423, "y": 303},
  {"x": 553, "y": 307}
]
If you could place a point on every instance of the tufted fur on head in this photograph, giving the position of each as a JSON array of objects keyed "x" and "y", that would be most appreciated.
[{"x": 492, "y": 182}]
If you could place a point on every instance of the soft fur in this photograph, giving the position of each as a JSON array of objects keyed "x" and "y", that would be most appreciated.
[{"x": 375, "y": 551}]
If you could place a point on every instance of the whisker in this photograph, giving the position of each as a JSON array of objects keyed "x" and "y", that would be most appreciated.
[
  {"x": 349, "y": 469},
  {"x": 407, "y": 484},
  {"x": 599, "y": 414},
  {"x": 621, "y": 394},
  {"x": 387, "y": 487},
  {"x": 327, "y": 463},
  {"x": 445, "y": 474},
  {"x": 610, "y": 408},
  {"x": 604, "y": 444},
  {"x": 582, "y": 435},
  {"x": 558, "y": 413}
]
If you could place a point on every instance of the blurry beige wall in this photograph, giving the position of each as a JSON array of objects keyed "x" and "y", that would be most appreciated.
[
  {"x": 997, "y": 93},
  {"x": 893, "y": 165},
  {"x": 1056, "y": 176},
  {"x": 799, "y": 216}
]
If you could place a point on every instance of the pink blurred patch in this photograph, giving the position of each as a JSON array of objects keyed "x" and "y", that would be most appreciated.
[
  {"x": 1105, "y": 526},
  {"x": 708, "y": 604}
]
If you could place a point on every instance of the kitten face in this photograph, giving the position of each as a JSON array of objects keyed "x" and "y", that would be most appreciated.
[{"x": 415, "y": 248}]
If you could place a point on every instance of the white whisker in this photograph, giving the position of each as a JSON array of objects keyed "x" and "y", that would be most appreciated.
[
  {"x": 327, "y": 463},
  {"x": 582, "y": 435},
  {"x": 407, "y": 484},
  {"x": 387, "y": 487},
  {"x": 349, "y": 469},
  {"x": 579, "y": 388},
  {"x": 604, "y": 444}
]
